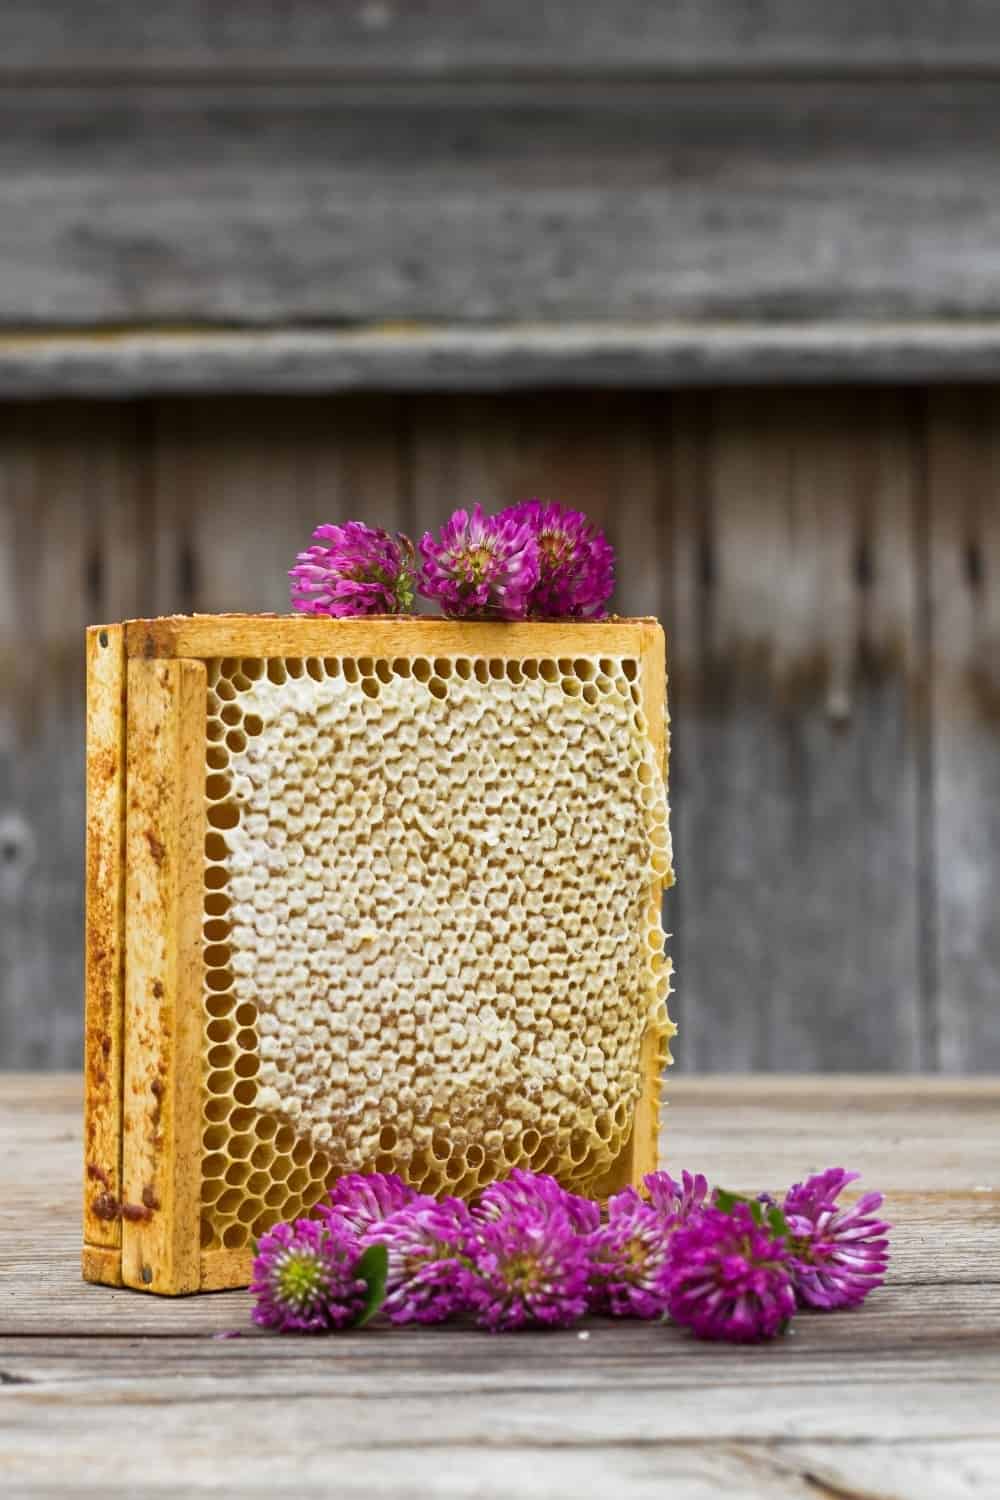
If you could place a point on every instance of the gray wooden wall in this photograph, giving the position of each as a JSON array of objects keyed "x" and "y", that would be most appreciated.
[
  {"x": 274, "y": 240},
  {"x": 827, "y": 566},
  {"x": 234, "y": 194}
]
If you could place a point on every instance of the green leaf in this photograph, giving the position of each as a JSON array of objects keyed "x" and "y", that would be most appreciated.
[
  {"x": 373, "y": 1268},
  {"x": 777, "y": 1222},
  {"x": 727, "y": 1201}
]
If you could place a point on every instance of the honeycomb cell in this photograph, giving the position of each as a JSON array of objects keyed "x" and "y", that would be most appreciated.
[{"x": 432, "y": 929}]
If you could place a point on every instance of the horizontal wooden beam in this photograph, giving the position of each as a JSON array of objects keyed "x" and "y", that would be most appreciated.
[
  {"x": 246, "y": 206},
  {"x": 124, "y": 364},
  {"x": 44, "y": 38}
]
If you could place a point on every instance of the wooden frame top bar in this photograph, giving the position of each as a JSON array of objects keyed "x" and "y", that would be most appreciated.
[{"x": 206, "y": 636}]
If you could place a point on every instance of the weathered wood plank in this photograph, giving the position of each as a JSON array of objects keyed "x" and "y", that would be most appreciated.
[
  {"x": 71, "y": 552},
  {"x": 930, "y": 1144},
  {"x": 964, "y": 484},
  {"x": 464, "y": 1361},
  {"x": 520, "y": 356},
  {"x": 440, "y": 37},
  {"x": 783, "y": 1470},
  {"x": 256, "y": 206},
  {"x": 796, "y": 757},
  {"x": 899, "y": 1398},
  {"x": 163, "y": 1020},
  {"x": 468, "y": 1411}
]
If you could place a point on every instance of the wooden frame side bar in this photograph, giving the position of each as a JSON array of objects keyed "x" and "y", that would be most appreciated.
[
  {"x": 165, "y": 833},
  {"x": 104, "y": 950}
]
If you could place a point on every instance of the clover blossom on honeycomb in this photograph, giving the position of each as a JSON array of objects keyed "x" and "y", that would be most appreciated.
[
  {"x": 354, "y": 569},
  {"x": 533, "y": 560}
]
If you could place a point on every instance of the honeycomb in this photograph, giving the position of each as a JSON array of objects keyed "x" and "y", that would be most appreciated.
[{"x": 432, "y": 924}]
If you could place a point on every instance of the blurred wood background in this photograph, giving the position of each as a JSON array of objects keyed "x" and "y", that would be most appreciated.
[
  {"x": 824, "y": 562},
  {"x": 726, "y": 276}
]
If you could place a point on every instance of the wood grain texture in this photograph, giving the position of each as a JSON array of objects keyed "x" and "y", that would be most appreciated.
[
  {"x": 250, "y": 205},
  {"x": 442, "y": 38},
  {"x": 899, "y": 1399},
  {"x": 792, "y": 706},
  {"x": 71, "y": 552},
  {"x": 963, "y": 751},
  {"x": 165, "y": 832},
  {"x": 522, "y": 356},
  {"x": 104, "y": 958}
]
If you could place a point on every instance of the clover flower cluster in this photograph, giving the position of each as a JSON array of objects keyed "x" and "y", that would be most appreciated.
[
  {"x": 533, "y": 560},
  {"x": 529, "y": 1253}
]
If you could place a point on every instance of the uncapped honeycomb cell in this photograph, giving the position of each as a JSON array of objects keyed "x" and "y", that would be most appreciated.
[{"x": 432, "y": 934}]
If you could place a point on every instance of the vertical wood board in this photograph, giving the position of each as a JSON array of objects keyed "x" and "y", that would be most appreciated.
[
  {"x": 964, "y": 758},
  {"x": 796, "y": 749},
  {"x": 72, "y": 551}
]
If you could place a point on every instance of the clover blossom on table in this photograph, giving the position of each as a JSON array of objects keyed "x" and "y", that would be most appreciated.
[
  {"x": 730, "y": 1276},
  {"x": 530, "y": 1266},
  {"x": 361, "y": 1199},
  {"x": 305, "y": 1279},
  {"x": 480, "y": 565},
  {"x": 839, "y": 1253},
  {"x": 354, "y": 569},
  {"x": 537, "y": 1191},
  {"x": 676, "y": 1201},
  {"x": 630, "y": 1259},
  {"x": 429, "y": 1246},
  {"x": 576, "y": 562}
]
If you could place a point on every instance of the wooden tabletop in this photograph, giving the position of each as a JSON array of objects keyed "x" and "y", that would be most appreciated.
[{"x": 121, "y": 1393}]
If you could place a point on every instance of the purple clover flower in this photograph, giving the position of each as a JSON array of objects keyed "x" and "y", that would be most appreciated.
[
  {"x": 304, "y": 1278},
  {"x": 530, "y": 1266},
  {"x": 361, "y": 1199},
  {"x": 480, "y": 565},
  {"x": 537, "y": 1192},
  {"x": 730, "y": 1278},
  {"x": 354, "y": 569},
  {"x": 429, "y": 1247},
  {"x": 576, "y": 563},
  {"x": 630, "y": 1259},
  {"x": 676, "y": 1201},
  {"x": 839, "y": 1254}
]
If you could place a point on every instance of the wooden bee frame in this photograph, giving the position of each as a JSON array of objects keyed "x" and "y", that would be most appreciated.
[{"x": 188, "y": 1152}]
